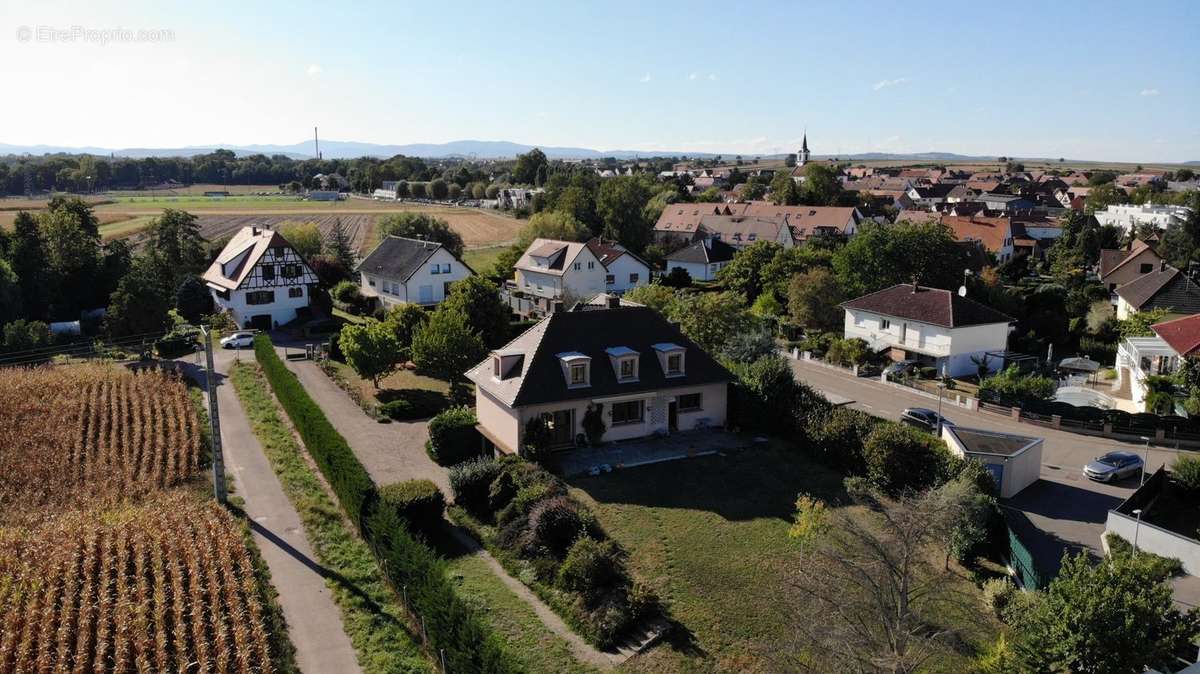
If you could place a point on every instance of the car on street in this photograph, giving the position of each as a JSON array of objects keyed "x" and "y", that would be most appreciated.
[
  {"x": 924, "y": 419},
  {"x": 1113, "y": 467},
  {"x": 243, "y": 339}
]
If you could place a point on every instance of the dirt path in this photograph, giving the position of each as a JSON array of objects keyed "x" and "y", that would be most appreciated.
[{"x": 396, "y": 451}]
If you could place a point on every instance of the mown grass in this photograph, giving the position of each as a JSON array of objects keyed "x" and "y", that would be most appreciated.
[
  {"x": 370, "y": 611},
  {"x": 482, "y": 259},
  {"x": 535, "y": 646},
  {"x": 710, "y": 535}
]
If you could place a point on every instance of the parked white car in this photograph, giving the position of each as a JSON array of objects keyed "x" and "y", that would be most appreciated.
[{"x": 238, "y": 340}]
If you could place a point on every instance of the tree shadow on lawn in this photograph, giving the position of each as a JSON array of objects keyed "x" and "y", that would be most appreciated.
[
  {"x": 418, "y": 397},
  {"x": 743, "y": 485}
]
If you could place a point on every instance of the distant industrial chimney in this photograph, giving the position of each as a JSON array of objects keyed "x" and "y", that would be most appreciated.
[{"x": 316, "y": 143}]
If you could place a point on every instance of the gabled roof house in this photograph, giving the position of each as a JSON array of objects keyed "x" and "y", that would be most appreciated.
[
  {"x": 401, "y": 270},
  {"x": 260, "y": 279}
]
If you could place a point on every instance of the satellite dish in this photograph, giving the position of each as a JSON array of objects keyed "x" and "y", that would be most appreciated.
[{"x": 962, "y": 291}]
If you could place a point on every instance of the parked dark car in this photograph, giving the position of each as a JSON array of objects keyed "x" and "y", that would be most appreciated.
[
  {"x": 1113, "y": 467},
  {"x": 926, "y": 420},
  {"x": 901, "y": 368}
]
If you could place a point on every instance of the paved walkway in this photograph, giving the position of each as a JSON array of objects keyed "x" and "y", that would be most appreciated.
[
  {"x": 313, "y": 619},
  {"x": 396, "y": 451}
]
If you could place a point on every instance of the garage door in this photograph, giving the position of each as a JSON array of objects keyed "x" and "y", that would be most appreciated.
[{"x": 261, "y": 322}]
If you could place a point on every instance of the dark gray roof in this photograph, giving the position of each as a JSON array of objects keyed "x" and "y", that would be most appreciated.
[
  {"x": 591, "y": 333},
  {"x": 928, "y": 305},
  {"x": 1167, "y": 288},
  {"x": 702, "y": 254},
  {"x": 398, "y": 257}
]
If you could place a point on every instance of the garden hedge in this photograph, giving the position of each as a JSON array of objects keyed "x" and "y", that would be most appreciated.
[
  {"x": 419, "y": 502},
  {"x": 452, "y": 627},
  {"x": 452, "y": 436}
]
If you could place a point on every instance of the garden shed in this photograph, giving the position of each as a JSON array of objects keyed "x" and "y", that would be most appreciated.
[{"x": 1013, "y": 460}]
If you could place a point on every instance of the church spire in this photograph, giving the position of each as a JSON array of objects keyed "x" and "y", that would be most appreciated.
[{"x": 802, "y": 155}]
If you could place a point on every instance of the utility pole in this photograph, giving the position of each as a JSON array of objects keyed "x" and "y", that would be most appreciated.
[{"x": 214, "y": 420}]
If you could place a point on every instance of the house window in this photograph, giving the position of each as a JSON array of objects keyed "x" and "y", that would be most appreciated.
[
  {"x": 628, "y": 368},
  {"x": 435, "y": 268},
  {"x": 260, "y": 297},
  {"x": 675, "y": 363},
  {"x": 884, "y": 324},
  {"x": 689, "y": 402},
  {"x": 445, "y": 267},
  {"x": 628, "y": 412},
  {"x": 633, "y": 278},
  {"x": 591, "y": 265},
  {"x": 753, "y": 237},
  {"x": 278, "y": 251},
  {"x": 579, "y": 375},
  {"x": 610, "y": 279},
  {"x": 296, "y": 291},
  {"x": 371, "y": 281},
  {"x": 268, "y": 272},
  {"x": 1145, "y": 268},
  {"x": 291, "y": 270},
  {"x": 578, "y": 266}
]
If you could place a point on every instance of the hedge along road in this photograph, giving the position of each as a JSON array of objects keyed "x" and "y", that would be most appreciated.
[{"x": 376, "y": 446}]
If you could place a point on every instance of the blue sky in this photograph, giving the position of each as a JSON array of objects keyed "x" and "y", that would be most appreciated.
[{"x": 1094, "y": 80}]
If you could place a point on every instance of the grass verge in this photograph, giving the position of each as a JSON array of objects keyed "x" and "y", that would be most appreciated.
[{"x": 371, "y": 615}]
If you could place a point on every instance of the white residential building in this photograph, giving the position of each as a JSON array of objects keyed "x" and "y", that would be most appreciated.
[
  {"x": 1130, "y": 216},
  {"x": 260, "y": 279},
  {"x": 1139, "y": 358},
  {"x": 401, "y": 270},
  {"x": 550, "y": 272},
  {"x": 929, "y": 325},
  {"x": 624, "y": 271},
  {"x": 702, "y": 259}
]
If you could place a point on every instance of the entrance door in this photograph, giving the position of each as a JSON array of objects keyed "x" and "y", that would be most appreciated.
[
  {"x": 261, "y": 322},
  {"x": 561, "y": 428},
  {"x": 673, "y": 416}
]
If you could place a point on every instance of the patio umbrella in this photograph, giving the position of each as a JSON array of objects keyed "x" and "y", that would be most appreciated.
[{"x": 1084, "y": 364}]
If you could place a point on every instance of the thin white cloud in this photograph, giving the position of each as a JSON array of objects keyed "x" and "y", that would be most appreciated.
[
  {"x": 883, "y": 84},
  {"x": 645, "y": 78},
  {"x": 313, "y": 69},
  {"x": 712, "y": 77},
  {"x": 693, "y": 77},
  {"x": 1149, "y": 92}
]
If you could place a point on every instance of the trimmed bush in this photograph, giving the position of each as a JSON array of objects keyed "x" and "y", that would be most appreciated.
[
  {"x": 838, "y": 438},
  {"x": 1186, "y": 471},
  {"x": 590, "y": 567},
  {"x": 898, "y": 458},
  {"x": 452, "y": 436},
  {"x": 419, "y": 502},
  {"x": 454, "y": 629},
  {"x": 554, "y": 525},
  {"x": 471, "y": 483}
]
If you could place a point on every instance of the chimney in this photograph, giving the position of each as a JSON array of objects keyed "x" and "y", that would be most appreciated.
[
  {"x": 1162, "y": 265},
  {"x": 254, "y": 230},
  {"x": 613, "y": 301}
]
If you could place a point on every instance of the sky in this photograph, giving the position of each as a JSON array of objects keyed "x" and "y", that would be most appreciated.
[{"x": 1084, "y": 80}]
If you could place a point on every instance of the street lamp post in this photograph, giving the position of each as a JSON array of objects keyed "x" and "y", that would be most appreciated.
[
  {"x": 940, "y": 387},
  {"x": 1145, "y": 459},
  {"x": 1136, "y": 528}
]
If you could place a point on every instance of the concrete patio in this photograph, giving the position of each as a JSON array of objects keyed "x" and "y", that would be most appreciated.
[{"x": 643, "y": 451}]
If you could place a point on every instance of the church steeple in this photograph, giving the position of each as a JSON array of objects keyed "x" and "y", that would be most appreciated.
[{"x": 802, "y": 155}]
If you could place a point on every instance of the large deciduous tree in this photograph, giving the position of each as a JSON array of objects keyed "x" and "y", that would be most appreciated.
[
  {"x": 27, "y": 254},
  {"x": 525, "y": 171},
  {"x": 743, "y": 274},
  {"x": 446, "y": 345},
  {"x": 141, "y": 301},
  {"x": 813, "y": 299},
  {"x": 620, "y": 204},
  {"x": 880, "y": 256},
  {"x": 370, "y": 348},
  {"x": 477, "y": 298}
]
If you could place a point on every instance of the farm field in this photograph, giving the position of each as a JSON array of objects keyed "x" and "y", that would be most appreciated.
[
  {"x": 113, "y": 557},
  {"x": 482, "y": 259}
]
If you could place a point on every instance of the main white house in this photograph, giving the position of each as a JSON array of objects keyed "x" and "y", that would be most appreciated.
[
  {"x": 932, "y": 326},
  {"x": 623, "y": 271},
  {"x": 553, "y": 273},
  {"x": 413, "y": 271},
  {"x": 260, "y": 279},
  {"x": 623, "y": 361}
]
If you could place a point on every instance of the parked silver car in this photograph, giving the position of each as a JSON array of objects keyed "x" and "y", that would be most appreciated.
[
  {"x": 238, "y": 340},
  {"x": 1113, "y": 467}
]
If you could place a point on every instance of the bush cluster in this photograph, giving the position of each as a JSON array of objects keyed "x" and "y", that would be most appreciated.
[
  {"x": 452, "y": 436},
  {"x": 407, "y": 562},
  {"x": 572, "y": 564},
  {"x": 413, "y": 408},
  {"x": 419, "y": 502}
]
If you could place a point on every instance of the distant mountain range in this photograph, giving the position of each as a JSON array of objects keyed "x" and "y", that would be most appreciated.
[{"x": 479, "y": 149}]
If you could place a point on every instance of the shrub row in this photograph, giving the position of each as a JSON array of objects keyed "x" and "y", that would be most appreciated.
[
  {"x": 554, "y": 544},
  {"x": 453, "y": 437},
  {"x": 414, "y": 407},
  {"x": 419, "y": 502},
  {"x": 407, "y": 562}
]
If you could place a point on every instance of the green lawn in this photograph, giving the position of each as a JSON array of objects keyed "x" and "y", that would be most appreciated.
[
  {"x": 710, "y": 535},
  {"x": 537, "y": 648},
  {"x": 483, "y": 259}
]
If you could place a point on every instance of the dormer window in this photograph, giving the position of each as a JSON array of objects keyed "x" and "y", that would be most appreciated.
[
  {"x": 671, "y": 359},
  {"x": 624, "y": 362},
  {"x": 507, "y": 364},
  {"x": 577, "y": 369}
]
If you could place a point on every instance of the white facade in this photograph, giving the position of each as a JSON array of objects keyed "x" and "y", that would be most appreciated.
[
  {"x": 1139, "y": 358},
  {"x": 247, "y": 306},
  {"x": 699, "y": 271},
  {"x": 582, "y": 275},
  {"x": 1130, "y": 216},
  {"x": 626, "y": 273},
  {"x": 948, "y": 349},
  {"x": 504, "y": 425},
  {"x": 1015, "y": 470},
  {"x": 259, "y": 279},
  {"x": 427, "y": 286}
]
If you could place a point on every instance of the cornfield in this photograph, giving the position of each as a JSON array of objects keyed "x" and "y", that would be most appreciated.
[
  {"x": 91, "y": 433},
  {"x": 162, "y": 587}
]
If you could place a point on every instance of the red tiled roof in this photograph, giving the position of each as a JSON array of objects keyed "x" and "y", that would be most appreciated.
[
  {"x": 991, "y": 232},
  {"x": 1181, "y": 334}
]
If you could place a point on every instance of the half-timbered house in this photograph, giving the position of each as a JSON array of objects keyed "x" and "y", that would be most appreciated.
[{"x": 260, "y": 279}]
